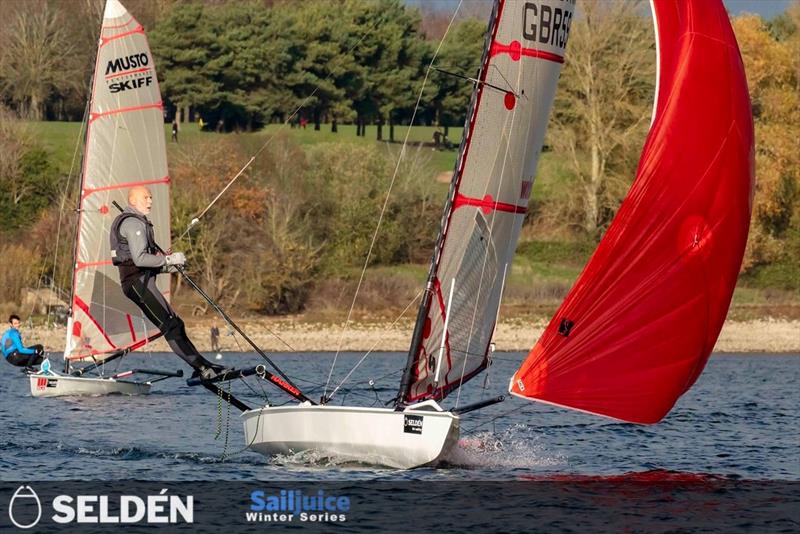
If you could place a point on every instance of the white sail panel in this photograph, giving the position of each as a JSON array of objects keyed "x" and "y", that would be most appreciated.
[
  {"x": 125, "y": 147},
  {"x": 489, "y": 193}
]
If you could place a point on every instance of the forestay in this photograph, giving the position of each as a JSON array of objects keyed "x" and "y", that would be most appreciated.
[
  {"x": 489, "y": 195},
  {"x": 637, "y": 328},
  {"x": 124, "y": 147}
]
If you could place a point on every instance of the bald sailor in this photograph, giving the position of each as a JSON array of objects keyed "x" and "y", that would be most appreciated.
[{"x": 139, "y": 259}]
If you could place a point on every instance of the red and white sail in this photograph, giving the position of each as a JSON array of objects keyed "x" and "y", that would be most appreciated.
[
  {"x": 124, "y": 147},
  {"x": 489, "y": 194},
  {"x": 638, "y": 326}
]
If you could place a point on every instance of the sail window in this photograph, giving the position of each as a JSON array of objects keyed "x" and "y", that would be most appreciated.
[{"x": 565, "y": 327}]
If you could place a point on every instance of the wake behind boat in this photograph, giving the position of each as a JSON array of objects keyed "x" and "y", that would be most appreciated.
[{"x": 124, "y": 147}]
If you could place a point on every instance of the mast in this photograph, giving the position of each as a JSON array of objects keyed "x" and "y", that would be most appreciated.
[
  {"x": 489, "y": 195},
  {"x": 425, "y": 305},
  {"x": 77, "y": 212},
  {"x": 124, "y": 147}
]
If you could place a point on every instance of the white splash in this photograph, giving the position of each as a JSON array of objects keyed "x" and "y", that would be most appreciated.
[{"x": 516, "y": 447}]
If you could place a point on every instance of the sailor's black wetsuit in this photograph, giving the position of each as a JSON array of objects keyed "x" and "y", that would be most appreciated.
[{"x": 135, "y": 252}]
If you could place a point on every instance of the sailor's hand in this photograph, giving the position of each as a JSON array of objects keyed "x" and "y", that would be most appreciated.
[{"x": 175, "y": 259}]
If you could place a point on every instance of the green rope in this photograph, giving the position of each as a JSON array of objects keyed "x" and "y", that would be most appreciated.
[
  {"x": 227, "y": 425},
  {"x": 219, "y": 414}
]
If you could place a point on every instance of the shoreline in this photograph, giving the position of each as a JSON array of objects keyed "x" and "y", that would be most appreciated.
[{"x": 512, "y": 335}]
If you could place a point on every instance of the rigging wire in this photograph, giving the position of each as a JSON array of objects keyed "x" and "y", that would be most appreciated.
[
  {"x": 479, "y": 82},
  {"x": 473, "y": 429},
  {"x": 64, "y": 193},
  {"x": 373, "y": 346},
  {"x": 389, "y": 191},
  {"x": 507, "y": 128},
  {"x": 271, "y": 138}
]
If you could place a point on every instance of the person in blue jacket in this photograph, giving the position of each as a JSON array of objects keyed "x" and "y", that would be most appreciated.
[{"x": 15, "y": 352}]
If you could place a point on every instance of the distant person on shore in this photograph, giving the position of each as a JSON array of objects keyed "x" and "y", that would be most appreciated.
[
  {"x": 201, "y": 124},
  {"x": 303, "y": 123},
  {"x": 175, "y": 131},
  {"x": 137, "y": 256},
  {"x": 15, "y": 352},
  {"x": 215, "y": 337},
  {"x": 437, "y": 139}
]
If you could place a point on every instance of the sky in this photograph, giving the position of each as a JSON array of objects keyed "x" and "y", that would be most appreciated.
[{"x": 765, "y": 8}]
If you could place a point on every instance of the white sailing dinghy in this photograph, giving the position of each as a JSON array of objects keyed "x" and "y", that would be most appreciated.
[
  {"x": 638, "y": 326},
  {"x": 124, "y": 147},
  {"x": 488, "y": 199}
]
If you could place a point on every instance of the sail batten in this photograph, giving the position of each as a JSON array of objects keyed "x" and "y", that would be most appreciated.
[
  {"x": 124, "y": 147},
  {"x": 638, "y": 326},
  {"x": 489, "y": 196}
]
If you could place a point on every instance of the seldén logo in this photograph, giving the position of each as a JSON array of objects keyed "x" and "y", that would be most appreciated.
[
  {"x": 289, "y": 505},
  {"x": 25, "y": 509}
]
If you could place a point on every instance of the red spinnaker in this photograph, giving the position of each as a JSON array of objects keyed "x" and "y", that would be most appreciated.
[{"x": 637, "y": 328}]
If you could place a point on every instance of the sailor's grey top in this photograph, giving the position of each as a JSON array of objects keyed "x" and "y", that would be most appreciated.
[{"x": 135, "y": 232}]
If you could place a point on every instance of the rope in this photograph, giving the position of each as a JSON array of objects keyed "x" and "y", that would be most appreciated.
[
  {"x": 227, "y": 424},
  {"x": 507, "y": 128},
  {"x": 389, "y": 192},
  {"x": 279, "y": 338},
  {"x": 495, "y": 418},
  {"x": 219, "y": 414},
  {"x": 373, "y": 347},
  {"x": 269, "y": 140},
  {"x": 64, "y": 192}
]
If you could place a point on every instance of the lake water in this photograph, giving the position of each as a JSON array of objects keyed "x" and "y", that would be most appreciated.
[{"x": 739, "y": 421}]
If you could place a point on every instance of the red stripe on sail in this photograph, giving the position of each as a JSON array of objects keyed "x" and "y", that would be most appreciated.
[
  {"x": 132, "y": 346},
  {"x": 125, "y": 185},
  {"x": 94, "y": 116},
  {"x": 487, "y": 204},
  {"x": 135, "y": 71},
  {"x": 515, "y": 50},
  {"x": 85, "y": 309},
  {"x": 118, "y": 26},
  {"x": 105, "y": 40},
  {"x": 130, "y": 326},
  {"x": 445, "y": 333},
  {"x": 458, "y": 176}
]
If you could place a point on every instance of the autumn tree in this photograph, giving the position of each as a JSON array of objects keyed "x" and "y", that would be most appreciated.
[
  {"x": 461, "y": 55},
  {"x": 36, "y": 56},
  {"x": 772, "y": 61},
  {"x": 28, "y": 182},
  {"x": 604, "y": 101}
]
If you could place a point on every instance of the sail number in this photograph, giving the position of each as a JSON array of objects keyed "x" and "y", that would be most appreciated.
[{"x": 545, "y": 24}]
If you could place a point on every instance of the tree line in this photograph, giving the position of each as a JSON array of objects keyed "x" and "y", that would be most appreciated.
[
  {"x": 241, "y": 64},
  {"x": 312, "y": 210}
]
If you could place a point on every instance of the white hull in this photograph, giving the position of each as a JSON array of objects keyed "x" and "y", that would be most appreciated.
[
  {"x": 54, "y": 385},
  {"x": 419, "y": 435}
]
